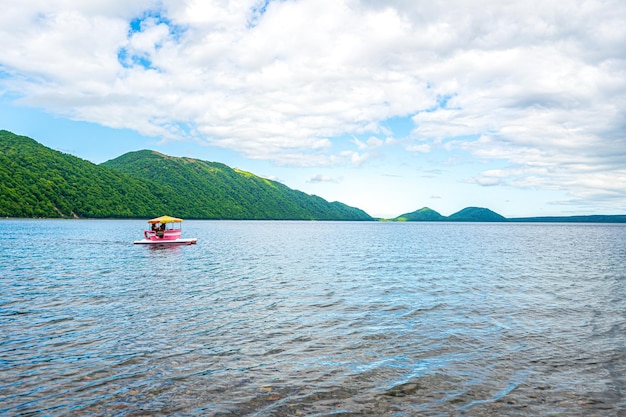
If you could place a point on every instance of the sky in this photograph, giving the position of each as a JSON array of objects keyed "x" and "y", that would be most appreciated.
[{"x": 388, "y": 106}]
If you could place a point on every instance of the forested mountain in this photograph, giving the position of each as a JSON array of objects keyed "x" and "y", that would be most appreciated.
[
  {"x": 36, "y": 181},
  {"x": 424, "y": 214},
  {"x": 480, "y": 214},
  {"x": 476, "y": 214},
  {"x": 468, "y": 214},
  {"x": 219, "y": 191}
]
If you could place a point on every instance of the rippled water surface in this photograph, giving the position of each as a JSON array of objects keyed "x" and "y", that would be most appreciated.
[{"x": 313, "y": 318}]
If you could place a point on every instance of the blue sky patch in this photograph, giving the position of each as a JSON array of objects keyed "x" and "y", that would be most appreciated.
[
  {"x": 258, "y": 11},
  {"x": 401, "y": 126},
  {"x": 128, "y": 58}
]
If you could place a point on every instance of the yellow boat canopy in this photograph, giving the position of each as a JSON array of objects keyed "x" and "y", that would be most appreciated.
[{"x": 165, "y": 219}]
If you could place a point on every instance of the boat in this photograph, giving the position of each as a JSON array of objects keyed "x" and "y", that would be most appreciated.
[{"x": 164, "y": 230}]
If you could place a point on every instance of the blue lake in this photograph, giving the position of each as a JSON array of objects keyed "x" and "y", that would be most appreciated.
[{"x": 313, "y": 319}]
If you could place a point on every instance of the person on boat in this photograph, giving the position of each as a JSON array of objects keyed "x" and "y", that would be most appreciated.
[{"x": 161, "y": 231}]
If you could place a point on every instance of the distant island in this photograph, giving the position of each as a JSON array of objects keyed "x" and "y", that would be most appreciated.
[
  {"x": 480, "y": 214},
  {"x": 39, "y": 182}
]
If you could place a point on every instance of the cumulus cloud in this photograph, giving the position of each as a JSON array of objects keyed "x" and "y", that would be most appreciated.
[
  {"x": 323, "y": 178},
  {"x": 537, "y": 84}
]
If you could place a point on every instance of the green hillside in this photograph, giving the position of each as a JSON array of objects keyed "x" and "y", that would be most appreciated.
[
  {"x": 424, "y": 214},
  {"x": 476, "y": 214},
  {"x": 479, "y": 214},
  {"x": 36, "y": 181},
  {"x": 220, "y": 192},
  {"x": 468, "y": 214}
]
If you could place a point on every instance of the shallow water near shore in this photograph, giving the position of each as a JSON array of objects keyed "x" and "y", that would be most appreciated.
[{"x": 313, "y": 319}]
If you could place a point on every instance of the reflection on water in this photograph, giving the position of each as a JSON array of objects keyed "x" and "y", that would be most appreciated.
[{"x": 313, "y": 318}]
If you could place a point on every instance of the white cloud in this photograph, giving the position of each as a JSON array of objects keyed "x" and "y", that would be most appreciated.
[
  {"x": 318, "y": 178},
  {"x": 422, "y": 148},
  {"x": 358, "y": 159},
  {"x": 539, "y": 85}
]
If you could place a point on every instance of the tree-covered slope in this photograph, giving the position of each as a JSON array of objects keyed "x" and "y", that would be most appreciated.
[
  {"x": 468, "y": 214},
  {"x": 476, "y": 214},
  {"x": 479, "y": 214},
  {"x": 36, "y": 181},
  {"x": 424, "y": 214},
  {"x": 214, "y": 190}
]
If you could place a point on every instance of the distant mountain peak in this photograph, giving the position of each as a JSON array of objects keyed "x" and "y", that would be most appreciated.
[
  {"x": 425, "y": 214},
  {"x": 476, "y": 214},
  {"x": 468, "y": 214}
]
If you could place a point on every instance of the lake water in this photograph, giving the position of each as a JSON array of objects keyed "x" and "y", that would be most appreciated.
[{"x": 313, "y": 319}]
